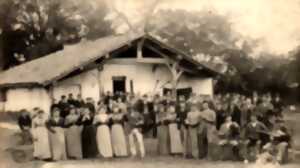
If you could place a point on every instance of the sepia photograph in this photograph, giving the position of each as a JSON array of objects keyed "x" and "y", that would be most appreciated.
[{"x": 149, "y": 83}]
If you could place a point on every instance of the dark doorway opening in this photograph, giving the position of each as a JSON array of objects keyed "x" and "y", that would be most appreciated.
[{"x": 119, "y": 84}]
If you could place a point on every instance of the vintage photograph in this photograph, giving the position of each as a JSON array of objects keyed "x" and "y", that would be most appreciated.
[{"x": 149, "y": 83}]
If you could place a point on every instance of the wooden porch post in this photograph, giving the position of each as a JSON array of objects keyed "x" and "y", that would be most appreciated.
[{"x": 176, "y": 74}]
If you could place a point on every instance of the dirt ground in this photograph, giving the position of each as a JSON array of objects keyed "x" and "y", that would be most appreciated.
[{"x": 7, "y": 140}]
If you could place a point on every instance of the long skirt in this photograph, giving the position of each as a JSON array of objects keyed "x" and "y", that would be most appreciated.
[
  {"x": 202, "y": 144},
  {"x": 118, "y": 140},
  {"x": 73, "y": 141},
  {"x": 58, "y": 144},
  {"x": 193, "y": 140},
  {"x": 184, "y": 139},
  {"x": 212, "y": 142},
  {"x": 104, "y": 141},
  {"x": 89, "y": 143},
  {"x": 41, "y": 143},
  {"x": 162, "y": 136},
  {"x": 175, "y": 140}
]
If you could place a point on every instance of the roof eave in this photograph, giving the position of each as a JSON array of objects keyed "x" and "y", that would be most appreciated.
[{"x": 21, "y": 85}]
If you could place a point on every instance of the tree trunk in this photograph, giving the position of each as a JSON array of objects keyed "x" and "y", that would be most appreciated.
[{"x": 2, "y": 64}]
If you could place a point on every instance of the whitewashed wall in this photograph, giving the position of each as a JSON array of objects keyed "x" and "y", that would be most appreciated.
[
  {"x": 145, "y": 78},
  {"x": 86, "y": 84},
  {"x": 21, "y": 98}
]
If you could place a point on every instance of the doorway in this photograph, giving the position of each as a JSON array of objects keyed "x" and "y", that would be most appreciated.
[
  {"x": 119, "y": 84},
  {"x": 186, "y": 92}
]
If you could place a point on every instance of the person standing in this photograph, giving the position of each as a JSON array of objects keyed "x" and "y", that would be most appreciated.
[
  {"x": 79, "y": 102},
  {"x": 121, "y": 105},
  {"x": 71, "y": 100},
  {"x": 73, "y": 135},
  {"x": 182, "y": 111},
  {"x": 103, "y": 136},
  {"x": 41, "y": 137},
  {"x": 208, "y": 118},
  {"x": 144, "y": 107},
  {"x": 118, "y": 134},
  {"x": 55, "y": 126},
  {"x": 246, "y": 111},
  {"x": 64, "y": 106},
  {"x": 174, "y": 133},
  {"x": 135, "y": 123},
  {"x": 88, "y": 134},
  {"x": 192, "y": 121},
  {"x": 162, "y": 131},
  {"x": 24, "y": 122},
  {"x": 90, "y": 104}
]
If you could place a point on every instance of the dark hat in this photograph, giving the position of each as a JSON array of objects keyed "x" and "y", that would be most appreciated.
[
  {"x": 41, "y": 112},
  {"x": 23, "y": 110}
]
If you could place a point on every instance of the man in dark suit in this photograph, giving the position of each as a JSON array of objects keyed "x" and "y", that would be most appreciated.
[
  {"x": 64, "y": 106},
  {"x": 145, "y": 107}
]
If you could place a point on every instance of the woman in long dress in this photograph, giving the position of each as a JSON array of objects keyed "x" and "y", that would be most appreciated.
[
  {"x": 57, "y": 136},
  {"x": 192, "y": 121},
  {"x": 118, "y": 134},
  {"x": 103, "y": 136},
  {"x": 73, "y": 135},
  {"x": 88, "y": 135},
  {"x": 174, "y": 133},
  {"x": 162, "y": 131},
  {"x": 40, "y": 135}
]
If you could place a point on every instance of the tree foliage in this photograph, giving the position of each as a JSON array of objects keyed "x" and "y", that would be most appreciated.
[
  {"x": 34, "y": 28},
  {"x": 209, "y": 38}
]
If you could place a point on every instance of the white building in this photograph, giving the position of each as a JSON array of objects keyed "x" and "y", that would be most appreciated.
[{"x": 128, "y": 63}]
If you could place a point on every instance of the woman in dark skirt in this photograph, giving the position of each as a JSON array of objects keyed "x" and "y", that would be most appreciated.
[
  {"x": 88, "y": 135},
  {"x": 162, "y": 131}
]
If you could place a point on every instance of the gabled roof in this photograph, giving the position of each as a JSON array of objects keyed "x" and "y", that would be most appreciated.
[{"x": 45, "y": 70}]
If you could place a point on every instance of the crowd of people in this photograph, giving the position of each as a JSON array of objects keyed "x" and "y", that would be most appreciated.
[{"x": 225, "y": 127}]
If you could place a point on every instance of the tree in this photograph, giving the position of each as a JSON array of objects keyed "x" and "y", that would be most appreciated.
[{"x": 34, "y": 28}]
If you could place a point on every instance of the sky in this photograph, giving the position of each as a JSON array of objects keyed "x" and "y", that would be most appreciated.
[{"x": 275, "y": 23}]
